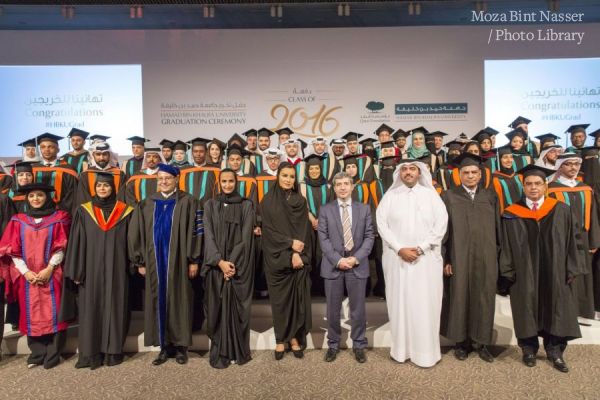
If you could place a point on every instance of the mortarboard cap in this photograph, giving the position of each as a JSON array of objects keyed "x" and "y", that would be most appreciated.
[
  {"x": 99, "y": 137},
  {"x": 384, "y": 128},
  {"x": 250, "y": 132},
  {"x": 48, "y": 137},
  {"x": 516, "y": 132},
  {"x": 78, "y": 132},
  {"x": 169, "y": 144},
  {"x": 352, "y": 136},
  {"x": 577, "y": 128},
  {"x": 137, "y": 140},
  {"x": 284, "y": 131},
  {"x": 466, "y": 160},
  {"x": 265, "y": 132},
  {"x": 518, "y": 121},
  {"x": 536, "y": 170},
  {"x": 400, "y": 133}
]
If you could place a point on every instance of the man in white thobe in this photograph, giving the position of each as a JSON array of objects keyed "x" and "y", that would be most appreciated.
[{"x": 412, "y": 220}]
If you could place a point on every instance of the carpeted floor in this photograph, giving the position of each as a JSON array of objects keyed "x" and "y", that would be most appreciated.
[{"x": 311, "y": 378}]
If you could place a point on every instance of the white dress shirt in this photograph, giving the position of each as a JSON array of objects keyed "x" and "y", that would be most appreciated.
[
  {"x": 349, "y": 202},
  {"x": 530, "y": 203}
]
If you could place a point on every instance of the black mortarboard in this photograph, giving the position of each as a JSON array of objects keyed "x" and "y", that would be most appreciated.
[
  {"x": 436, "y": 133},
  {"x": 595, "y": 134},
  {"x": 180, "y": 145},
  {"x": 481, "y": 136},
  {"x": 400, "y": 132},
  {"x": 501, "y": 151},
  {"x": 396, "y": 158},
  {"x": 352, "y": 136},
  {"x": 467, "y": 159},
  {"x": 303, "y": 144},
  {"x": 48, "y": 137},
  {"x": 285, "y": 131},
  {"x": 454, "y": 145},
  {"x": 236, "y": 149},
  {"x": 99, "y": 137},
  {"x": 250, "y": 132},
  {"x": 78, "y": 132},
  {"x": 420, "y": 129},
  {"x": 350, "y": 159},
  {"x": 169, "y": 144},
  {"x": 384, "y": 128},
  {"x": 265, "y": 132},
  {"x": 137, "y": 140},
  {"x": 547, "y": 137},
  {"x": 462, "y": 138},
  {"x": 28, "y": 143},
  {"x": 577, "y": 128},
  {"x": 199, "y": 141},
  {"x": 490, "y": 131},
  {"x": 516, "y": 132},
  {"x": 313, "y": 159},
  {"x": 35, "y": 187},
  {"x": 368, "y": 142},
  {"x": 105, "y": 176},
  {"x": 536, "y": 170},
  {"x": 387, "y": 144},
  {"x": 237, "y": 138},
  {"x": 518, "y": 121},
  {"x": 23, "y": 166}
]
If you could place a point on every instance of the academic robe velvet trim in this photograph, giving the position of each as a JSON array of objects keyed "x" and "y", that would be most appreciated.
[
  {"x": 524, "y": 212},
  {"x": 120, "y": 212},
  {"x": 587, "y": 193}
]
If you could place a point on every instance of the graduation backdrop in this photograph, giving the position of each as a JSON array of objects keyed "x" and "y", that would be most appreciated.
[{"x": 318, "y": 81}]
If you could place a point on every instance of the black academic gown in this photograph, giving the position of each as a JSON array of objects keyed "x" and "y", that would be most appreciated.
[
  {"x": 97, "y": 258},
  {"x": 289, "y": 289},
  {"x": 316, "y": 196},
  {"x": 591, "y": 175},
  {"x": 165, "y": 236},
  {"x": 471, "y": 246},
  {"x": 139, "y": 187},
  {"x": 200, "y": 182},
  {"x": 64, "y": 179},
  {"x": 538, "y": 255},
  {"x": 228, "y": 236},
  {"x": 132, "y": 166},
  {"x": 78, "y": 162},
  {"x": 585, "y": 215},
  {"x": 508, "y": 188}
]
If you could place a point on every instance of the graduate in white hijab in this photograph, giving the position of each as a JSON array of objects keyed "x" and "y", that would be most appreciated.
[{"x": 412, "y": 221}]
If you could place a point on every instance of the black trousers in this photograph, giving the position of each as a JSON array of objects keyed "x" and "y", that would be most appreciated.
[
  {"x": 554, "y": 345},
  {"x": 46, "y": 349}
]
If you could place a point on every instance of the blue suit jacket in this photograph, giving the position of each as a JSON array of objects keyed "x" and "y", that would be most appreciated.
[{"x": 332, "y": 240}]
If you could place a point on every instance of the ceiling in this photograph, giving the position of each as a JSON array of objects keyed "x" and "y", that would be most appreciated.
[{"x": 235, "y": 14}]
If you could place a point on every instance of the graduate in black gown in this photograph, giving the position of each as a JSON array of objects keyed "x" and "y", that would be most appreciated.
[
  {"x": 470, "y": 251},
  {"x": 538, "y": 264},
  {"x": 228, "y": 271},
  {"x": 165, "y": 244},
  {"x": 317, "y": 192},
  {"x": 286, "y": 237},
  {"x": 97, "y": 265}
]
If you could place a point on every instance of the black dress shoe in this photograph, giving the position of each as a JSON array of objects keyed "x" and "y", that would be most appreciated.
[
  {"x": 559, "y": 364},
  {"x": 360, "y": 355},
  {"x": 485, "y": 354},
  {"x": 461, "y": 353},
  {"x": 181, "y": 356},
  {"x": 114, "y": 359},
  {"x": 529, "y": 360},
  {"x": 298, "y": 353},
  {"x": 279, "y": 355},
  {"x": 331, "y": 355},
  {"x": 161, "y": 359}
]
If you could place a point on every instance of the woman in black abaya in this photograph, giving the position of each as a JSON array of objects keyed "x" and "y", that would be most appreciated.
[{"x": 286, "y": 241}]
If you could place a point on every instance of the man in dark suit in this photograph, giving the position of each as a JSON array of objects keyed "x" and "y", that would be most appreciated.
[{"x": 346, "y": 237}]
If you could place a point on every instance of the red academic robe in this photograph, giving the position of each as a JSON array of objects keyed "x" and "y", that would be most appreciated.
[{"x": 35, "y": 244}]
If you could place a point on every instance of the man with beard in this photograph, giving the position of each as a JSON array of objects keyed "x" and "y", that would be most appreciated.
[
  {"x": 76, "y": 158},
  {"x": 566, "y": 188},
  {"x": 578, "y": 136},
  {"x": 143, "y": 183},
  {"x": 338, "y": 148},
  {"x": 400, "y": 140},
  {"x": 167, "y": 149},
  {"x": 547, "y": 139},
  {"x": 198, "y": 179},
  {"x": 549, "y": 156},
  {"x": 435, "y": 144}
]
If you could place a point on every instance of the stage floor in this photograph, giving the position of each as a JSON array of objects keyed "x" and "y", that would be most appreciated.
[
  {"x": 262, "y": 336},
  {"x": 310, "y": 378}
]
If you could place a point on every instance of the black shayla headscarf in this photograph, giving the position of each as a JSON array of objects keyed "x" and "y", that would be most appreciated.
[
  {"x": 107, "y": 204},
  {"x": 47, "y": 208},
  {"x": 231, "y": 214}
]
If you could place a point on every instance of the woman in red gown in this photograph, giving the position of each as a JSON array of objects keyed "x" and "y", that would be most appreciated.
[{"x": 36, "y": 241}]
